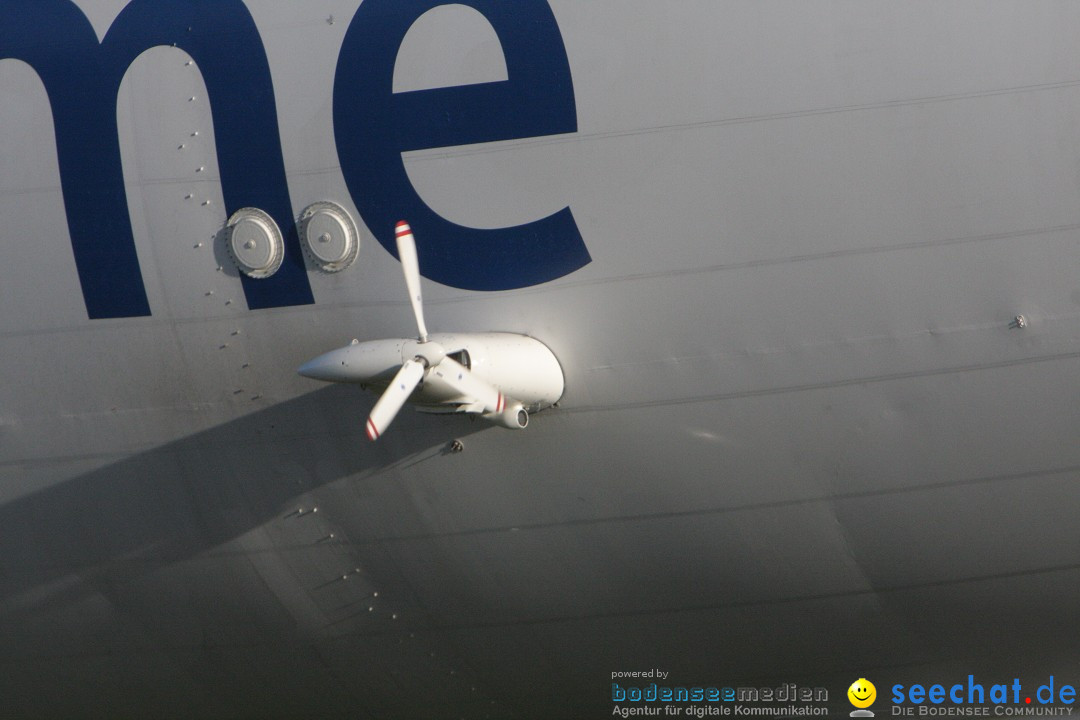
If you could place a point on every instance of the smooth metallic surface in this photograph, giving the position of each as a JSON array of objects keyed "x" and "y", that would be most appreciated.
[
  {"x": 357, "y": 362},
  {"x": 797, "y": 441}
]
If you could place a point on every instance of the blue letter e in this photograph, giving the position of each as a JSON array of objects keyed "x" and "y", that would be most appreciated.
[{"x": 373, "y": 127}]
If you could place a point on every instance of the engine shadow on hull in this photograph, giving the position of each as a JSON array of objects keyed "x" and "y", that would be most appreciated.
[{"x": 187, "y": 497}]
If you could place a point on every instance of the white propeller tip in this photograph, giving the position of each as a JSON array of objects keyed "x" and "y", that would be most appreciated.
[{"x": 410, "y": 266}]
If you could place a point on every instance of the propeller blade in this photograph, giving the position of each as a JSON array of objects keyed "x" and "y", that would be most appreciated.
[
  {"x": 410, "y": 265},
  {"x": 399, "y": 390},
  {"x": 460, "y": 379}
]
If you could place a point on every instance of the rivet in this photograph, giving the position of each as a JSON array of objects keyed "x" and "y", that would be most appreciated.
[
  {"x": 191, "y": 99},
  {"x": 200, "y": 169},
  {"x": 181, "y": 146},
  {"x": 249, "y": 245},
  {"x": 198, "y": 245},
  {"x": 188, "y": 196},
  {"x": 209, "y": 293},
  {"x": 205, "y": 203},
  {"x": 195, "y": 134},
  {"x": 371, "y": 608}
]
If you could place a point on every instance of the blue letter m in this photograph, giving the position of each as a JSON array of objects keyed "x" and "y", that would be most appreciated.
[{"x": 82, "y": 79}]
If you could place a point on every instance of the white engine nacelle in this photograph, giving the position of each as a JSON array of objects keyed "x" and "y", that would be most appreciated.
[{"x": 494, "y": 374}]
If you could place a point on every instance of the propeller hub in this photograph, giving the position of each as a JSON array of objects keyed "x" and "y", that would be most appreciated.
[{"x": 430, "y": 353}]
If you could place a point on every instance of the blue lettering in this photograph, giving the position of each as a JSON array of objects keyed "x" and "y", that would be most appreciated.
[
  {"x": 373, "y": 126},
  {"x": 898, "y": 694},
  {"x": 972, "y": 687},
  {"x": 1049, "y": 688},
  {"x": 82, "y": 79}
]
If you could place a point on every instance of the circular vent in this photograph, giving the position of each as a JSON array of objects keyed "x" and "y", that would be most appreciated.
[
  {"x": 255, "y": 243},
  {"x": 329, "y": 236}
]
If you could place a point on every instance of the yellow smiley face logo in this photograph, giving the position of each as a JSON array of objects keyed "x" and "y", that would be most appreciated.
[{"x": 862, "y": 693}]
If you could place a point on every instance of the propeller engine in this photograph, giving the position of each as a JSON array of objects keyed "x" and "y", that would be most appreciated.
[{"x": 444, "y": 383}]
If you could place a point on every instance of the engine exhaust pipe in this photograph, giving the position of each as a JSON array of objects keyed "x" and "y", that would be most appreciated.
[{"x": 514, "y": 417}]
